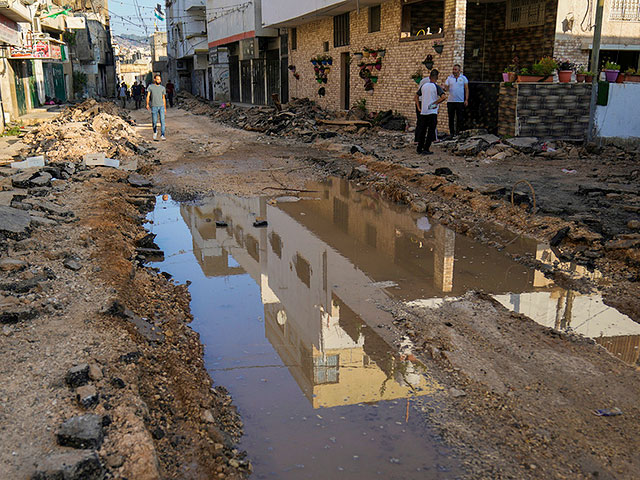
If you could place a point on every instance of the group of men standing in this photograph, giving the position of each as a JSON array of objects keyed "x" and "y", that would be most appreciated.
[
  {"x": 138, "y": 92},
  {"x": 428, "y": 98}
]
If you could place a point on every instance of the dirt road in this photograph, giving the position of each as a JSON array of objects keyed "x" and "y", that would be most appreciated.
[{"x": 518, "y": 398}]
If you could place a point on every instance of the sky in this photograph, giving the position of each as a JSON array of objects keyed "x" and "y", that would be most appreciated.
[{"x": 125, "y": 18}]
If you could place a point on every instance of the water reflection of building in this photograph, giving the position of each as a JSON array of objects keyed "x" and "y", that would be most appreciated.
[
  {"x": 324, "y": 264},
  {"x": 333, "y": 354}
]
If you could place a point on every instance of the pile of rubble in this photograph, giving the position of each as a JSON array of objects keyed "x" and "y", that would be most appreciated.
[
  {"x": 300, "y": 117},
  {"x": 89, "y": 127}
]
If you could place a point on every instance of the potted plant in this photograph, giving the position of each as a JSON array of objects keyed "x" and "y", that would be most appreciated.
[
  {"x": 438, "y": 46},
  {"x": 314, "y": 61},
  {"x": 428, "y": 62},
  {"x": 541, "y": 71},
  {"x": 330, "y": 60},
  {"x": 417, "y": 76},
  {"x": 611, "y": 70},
  {"x": 366, "y": 52},
  {"x": 509, "y": 74},
  {"x": 373, "y": 79},
  {"x": 296, "y": 75},
  {"x": 581, "y": 73},
  {"x": 632, "y": 76},
  {"x": 381, "y": 53},
  {"x": 357, "y": 55},
  {"x": 565, "y": 70}
]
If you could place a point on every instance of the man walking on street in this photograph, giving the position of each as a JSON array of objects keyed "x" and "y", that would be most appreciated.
[
  {"x": 170, "y": 91},
  {"x": 432, "y": 96},
  {"x": 458, "y": 87},
  {"x": 136, "y": 91},
  {"x": 157, "y": 103}
]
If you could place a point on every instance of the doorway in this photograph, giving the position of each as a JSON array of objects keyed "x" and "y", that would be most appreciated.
[{"x": 345, "y": 80}]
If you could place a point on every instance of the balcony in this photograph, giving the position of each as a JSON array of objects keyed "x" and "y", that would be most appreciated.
[
  {"x": 15, "y": 10},
  {"x": 195, "y": 6}
]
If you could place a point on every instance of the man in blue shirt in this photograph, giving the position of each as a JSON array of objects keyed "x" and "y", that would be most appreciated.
[{"x": 458, "y": 87}]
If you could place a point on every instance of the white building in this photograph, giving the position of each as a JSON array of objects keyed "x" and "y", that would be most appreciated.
[
  {"x": 248, "y": 62},
  {"x": 187, "y": 45}
]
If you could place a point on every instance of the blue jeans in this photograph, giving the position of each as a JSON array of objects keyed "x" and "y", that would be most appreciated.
[{"x": 154, "y": 119}]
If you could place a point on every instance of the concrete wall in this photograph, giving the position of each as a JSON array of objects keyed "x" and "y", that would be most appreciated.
[
  {"x": 279, "y": 11},
  {"x": 395, "y": 88},
  {"x": 574, "y": 37},
  {"x": 618, "y": 119}
]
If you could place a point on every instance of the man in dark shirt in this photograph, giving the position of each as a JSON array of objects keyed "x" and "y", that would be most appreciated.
[
  {"x": 170, "y": 91},
  {"x": 136, "y": 91}
]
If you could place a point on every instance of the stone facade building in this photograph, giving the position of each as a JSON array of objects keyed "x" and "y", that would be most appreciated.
[{"x": 482, "y": 36}]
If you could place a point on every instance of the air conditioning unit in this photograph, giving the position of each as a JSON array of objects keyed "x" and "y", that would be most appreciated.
[
  {"x": 181, "y": 65},
  {"x": 249, "y": 49}
]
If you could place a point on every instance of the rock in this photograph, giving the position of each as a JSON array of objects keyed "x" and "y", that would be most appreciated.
[
  {"x": 72, "y": 264},
  {"x": 10, "y": 264},
  {"x": 118, "y": 382},
  {"x": 455, "y": 393},
  {"x": 471, "y": 147},
  {"x": 42, "y": 179},
  {"x": 523, "y": 144},
  {"x": 87, "y": 396},
  {"x": 632, "y": 224},
  {"x": 22, "y": 180},
  {"x": 559, "y": 236},
  {"x": 74, "y": 465},
  {"x": 49, "y": 207},
  {"x": 115, "y": 461},
  {"x": 17, "y": 313},
  {"x": 443, "y": 171},
  {"x": 83, "y": 431},
  {"x": 137, "y": 180},
  {"x": 14, "y": 221},
  {"x": 234, "y": 463},
  {"x": 489, "y": 138},
  {"x": 77, "y": 376},
  {"x": 500, "y": 156},
  {"x": 358, "y": 149},
  {"x": 207, "y": 416},
  {"x": 418, "y": 206},
  {"x": 23, "y": 286},
  {"x": 95, "y": 372}
]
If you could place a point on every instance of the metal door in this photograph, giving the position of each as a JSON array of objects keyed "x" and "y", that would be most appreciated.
[
  {"x": 234, "y": 78},
  {"x": 284, "y": 80},
  {"x": 33, "y": 85},
  {"x": 273, "y": 75},
  {"x": 245, "y": 80},
  {"x": 259, "y": 97},
  {"x": 345, "y": 80},
  {"x": 18, "y": 70},
  {"x": 58, "y": 81}
]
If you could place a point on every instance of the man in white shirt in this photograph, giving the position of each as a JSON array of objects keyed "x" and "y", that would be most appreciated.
[
  {"x": 432, "y": 96},
  {"x": 458, "y": 87}
]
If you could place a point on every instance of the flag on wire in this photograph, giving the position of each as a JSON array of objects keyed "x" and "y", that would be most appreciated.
[{"x": 158, "y": 12}]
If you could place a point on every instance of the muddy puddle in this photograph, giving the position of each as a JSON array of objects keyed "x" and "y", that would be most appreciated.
[{"x": 289, "y": 313}]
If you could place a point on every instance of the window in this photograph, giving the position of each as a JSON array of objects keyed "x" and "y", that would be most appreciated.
[
  {"x": 294, "y": 38},
  {"x": 341, "y": 30},
  {"x": 374, "y": 18},
  {"x": 625, "y": 10},
  {"x": 325, "y": 46},
  {"x": 326, "y": 369},
  {"x": 525, "y": 13},
  {"x": 422, "y": 19}
]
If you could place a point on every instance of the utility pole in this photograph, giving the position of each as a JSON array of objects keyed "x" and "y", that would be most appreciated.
[{"x": 595, "y": 61}]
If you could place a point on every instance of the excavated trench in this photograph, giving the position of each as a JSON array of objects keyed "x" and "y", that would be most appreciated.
[{"x": 291, "y": 298}]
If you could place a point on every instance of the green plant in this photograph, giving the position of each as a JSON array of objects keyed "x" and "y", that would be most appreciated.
[
  {"x": 361, "y": 104},
  {"x": 546, "y": 66},
  {"x": 611, "y": 66},
  {"x": 417, "y": 74},
  {"x": 69, "y": 38},
  {"x": 566, "y": 65},
  {"x": 510, "y": 68},
  {"x": 630, "y": 71},
  {"x": 524, "y": 71},
  {"x": 79, "y": 82},
  {"x": 11, "y": 131}
]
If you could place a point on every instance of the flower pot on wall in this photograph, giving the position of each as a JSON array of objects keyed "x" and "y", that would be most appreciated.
[
  {"x": 620, "y": 78},
  {"x": 564, "y": 76},
  {"x": 357, "y": 55},
  {"x": 632, "y": 78},
  {"x": 612, "y": 75},
  {"x": 505, "y": 77},
  {"x": 535, "y": 78},
  {"x": 382, "y": 53},
  {"x": 588, "y": 78},
  {"x": 580, "y": 77},
  {"x": 438, "y": 48}
]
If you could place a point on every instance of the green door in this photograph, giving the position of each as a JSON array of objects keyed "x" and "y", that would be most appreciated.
[
  {"x": 33, "y": 86},
  {"x": 19, "y": 81},
  {"x": 58, "y": 82}
]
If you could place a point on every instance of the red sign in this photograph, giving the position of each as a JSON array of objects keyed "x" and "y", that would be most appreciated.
[{"x": 39, "y": 49}]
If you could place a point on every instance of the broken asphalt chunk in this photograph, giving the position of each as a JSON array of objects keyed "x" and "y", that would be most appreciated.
[
  {"x": 78, "y": 375},
  {"x": 83, "y": 431},
  {"x": 559, "y": 236},
  {"x": 73, "y": 465},
  {"x": 137, "y": 180},
  {"x": 13, "y": 221},
  {"x": 72, "y": 263}
]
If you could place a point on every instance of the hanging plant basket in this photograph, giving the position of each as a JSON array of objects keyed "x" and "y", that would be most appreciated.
[
  {"x": 327, "y": 69},
  {"x": 381, "y": 53},
  {"x": 374, "y": 54},
  {"x": 374, "y": 79},
  {"x": 316, "y": 69},
  {"x": 357, "y": 55},
  {"x": 428, "y": 65},
  {"x": 438, "y": 48},
  {"x": 366, "y": 54},
  {"x": 378, "y": 66},
  {"x": 314, "y": 61},
  {"x": 330, "y": 61},
  {"x": 417, "y": 79},
  {"x": 319, "y": 80},
  {"x": 368, "y": 86}
]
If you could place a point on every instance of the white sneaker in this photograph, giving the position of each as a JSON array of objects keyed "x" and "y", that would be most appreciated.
[
  {"x": 155, "y": 135},
  {"x": 163, "y": 137}
]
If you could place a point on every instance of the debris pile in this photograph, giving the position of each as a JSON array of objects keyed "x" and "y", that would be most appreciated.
[
  {"x": 87, "y": 127},
  {"x": 301, "y": 117}
]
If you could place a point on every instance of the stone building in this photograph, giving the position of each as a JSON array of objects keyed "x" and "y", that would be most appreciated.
[
  {"x": 481, "y": 35},
  {"x": 159, "y": 59}
]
